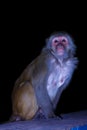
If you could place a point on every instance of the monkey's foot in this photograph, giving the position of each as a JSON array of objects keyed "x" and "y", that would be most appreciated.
[{"x": 15, "y": 118}]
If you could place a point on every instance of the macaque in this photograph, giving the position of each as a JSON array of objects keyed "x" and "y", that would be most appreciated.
[{"x": 38, "y": 89}]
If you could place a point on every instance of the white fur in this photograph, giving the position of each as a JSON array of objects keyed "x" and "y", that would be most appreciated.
[{"x": 57, "y": 78}]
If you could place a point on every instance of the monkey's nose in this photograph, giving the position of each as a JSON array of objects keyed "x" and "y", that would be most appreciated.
[{"x": 60, "y": 44}]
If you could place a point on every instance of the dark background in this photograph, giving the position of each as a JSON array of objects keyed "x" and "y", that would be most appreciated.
[{"x": 23, "y": 34}]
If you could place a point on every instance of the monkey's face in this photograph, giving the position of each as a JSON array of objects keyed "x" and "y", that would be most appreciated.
[{"x": 60, "y": 45}]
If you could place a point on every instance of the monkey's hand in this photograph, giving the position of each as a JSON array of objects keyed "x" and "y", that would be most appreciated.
[
  {"x": 52, "y": 115},
  {"x": 41, "y": 115}
]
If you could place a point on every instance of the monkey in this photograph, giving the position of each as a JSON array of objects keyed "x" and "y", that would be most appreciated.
[{"x": 38, "y": 89}]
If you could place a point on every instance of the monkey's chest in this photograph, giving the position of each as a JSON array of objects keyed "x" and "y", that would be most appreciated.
[{"x": 56, "y": 80}]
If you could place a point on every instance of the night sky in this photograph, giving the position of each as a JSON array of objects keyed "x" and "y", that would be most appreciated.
[{"x": 23, "y": 36}]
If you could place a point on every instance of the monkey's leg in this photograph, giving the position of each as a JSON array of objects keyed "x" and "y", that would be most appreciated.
[
  {"x": 56, "y": 100},
  {"x": 24, "y": 102}
]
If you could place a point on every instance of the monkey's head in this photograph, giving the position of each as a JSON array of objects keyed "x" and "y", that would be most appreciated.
[{"x": 61, "y": 44}]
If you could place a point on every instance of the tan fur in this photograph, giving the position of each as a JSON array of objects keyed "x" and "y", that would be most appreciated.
[{"x": 24, "y": 101}]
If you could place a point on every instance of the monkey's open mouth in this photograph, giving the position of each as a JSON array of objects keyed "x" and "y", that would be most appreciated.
[
  {"x": 60, "y": 50},
  {"x": 60, "y": 47}
]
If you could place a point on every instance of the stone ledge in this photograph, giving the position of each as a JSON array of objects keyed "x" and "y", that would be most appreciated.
[{"x": 70, "y": 120}]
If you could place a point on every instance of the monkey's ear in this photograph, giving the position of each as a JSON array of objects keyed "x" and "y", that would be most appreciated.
[{"x": 47, "y": 42}]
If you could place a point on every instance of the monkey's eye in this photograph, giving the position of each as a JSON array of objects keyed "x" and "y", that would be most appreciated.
[
  {"x": 64, "y": 40},
  {"x": 56, "y": 41}
]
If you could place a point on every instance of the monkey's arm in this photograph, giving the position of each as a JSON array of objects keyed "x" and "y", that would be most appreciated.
[
  {"x": 40, "y": 77},
  {"x": 59, "y": 92},
  {"x": 73, "y": 62},
  {"x": 44, "y": 101}
]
